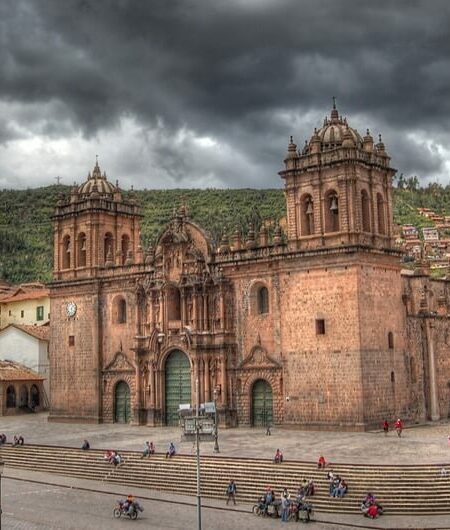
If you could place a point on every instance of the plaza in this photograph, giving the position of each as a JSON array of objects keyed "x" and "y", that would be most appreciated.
[{"x": 420, "y": 444}]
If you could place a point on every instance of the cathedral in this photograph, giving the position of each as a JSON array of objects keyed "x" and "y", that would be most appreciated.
[{"x": 316, "y": 326}]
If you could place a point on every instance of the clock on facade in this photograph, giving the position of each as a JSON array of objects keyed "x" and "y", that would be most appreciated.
[{"x": 71, "y": 309}]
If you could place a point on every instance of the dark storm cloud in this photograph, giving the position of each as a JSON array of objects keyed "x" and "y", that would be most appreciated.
[{"x": 247, "y": 73}]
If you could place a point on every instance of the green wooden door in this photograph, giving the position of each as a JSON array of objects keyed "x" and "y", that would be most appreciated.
[
  {"x": 178, "y": 384},
  {"x": 262, "y": 404},
  {"x": 122, "y": 407}
]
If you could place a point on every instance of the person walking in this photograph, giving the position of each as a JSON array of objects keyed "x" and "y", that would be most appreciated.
[
  {"x": 231, "y": 492},
  {"x": 399, "y": 427},
  {"x": 385, "y": 427}
]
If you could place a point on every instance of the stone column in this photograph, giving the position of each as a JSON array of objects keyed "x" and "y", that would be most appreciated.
[
  {"x": 223, "y": 380},
  {"x": 207, "y": 381},
  {"x": 152, "y": 383},
  {"x": 434, "y": 401},
  {"x": 205, "y": 311}
]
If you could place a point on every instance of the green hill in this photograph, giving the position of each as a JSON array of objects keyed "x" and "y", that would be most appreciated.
[{"x": 26, "y": 230}]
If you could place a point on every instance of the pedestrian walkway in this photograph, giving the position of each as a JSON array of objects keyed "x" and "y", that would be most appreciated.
[{"x": 329, "y": 521}]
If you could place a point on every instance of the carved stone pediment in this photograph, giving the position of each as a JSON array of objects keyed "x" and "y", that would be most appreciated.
[
  {"x": 120, "y": 363},
  {"x": 259, "y": 358}
]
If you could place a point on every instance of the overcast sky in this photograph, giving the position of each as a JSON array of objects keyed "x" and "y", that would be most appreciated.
[{"x": 185, "y": 93}]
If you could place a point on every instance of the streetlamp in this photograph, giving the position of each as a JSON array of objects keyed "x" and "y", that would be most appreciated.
[
  {"x": 2, "y": 465},
  {"x": 216, "y": 424}
]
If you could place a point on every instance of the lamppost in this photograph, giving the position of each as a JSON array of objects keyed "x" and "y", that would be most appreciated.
[
  {"x": 197, "y": 437},
  {"x": 2, "y": 464},
  {"x": 216, "y": 423}
]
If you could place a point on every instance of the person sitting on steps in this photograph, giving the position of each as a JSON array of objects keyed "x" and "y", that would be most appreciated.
[
  {"x": 278, "y": 458},
  {"x": 86, "y": 445},
  {"x": 18, "y": 440},
  {"x": 321, "y": 463},
  {"x": 2, "y": 438},
  {"x": 171, "y": 452},
  {"x": 147, "y": 450}
]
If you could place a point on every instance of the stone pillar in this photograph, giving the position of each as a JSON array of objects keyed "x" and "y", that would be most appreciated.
[
  {"x": 434, "y": 401},
  {"x": 205, "y": 311},
  {"x": 207, "y": 381},
  {"x": 222, "y": 309},
  {"x": 152, "y": 383},
  {"x": 223, "y": 380}
]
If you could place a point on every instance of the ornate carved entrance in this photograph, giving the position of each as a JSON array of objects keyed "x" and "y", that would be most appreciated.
[{"x": 178, "y": 385}]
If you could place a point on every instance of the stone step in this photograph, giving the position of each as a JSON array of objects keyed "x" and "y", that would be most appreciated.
[{"x": 408, "y": 489}]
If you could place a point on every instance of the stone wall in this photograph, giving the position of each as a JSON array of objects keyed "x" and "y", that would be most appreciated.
[{"x": 75, "y": 370}]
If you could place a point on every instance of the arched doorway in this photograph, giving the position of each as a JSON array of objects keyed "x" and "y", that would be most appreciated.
[
  {"x": 262, "y": 403},
  {"x": 178, "y": 384},
  {"x": 122, "y": 407},
  {"x": 10, "y": 397},
  {"x": 34, "y": 397},
  {"x": 23, "y": 396}
]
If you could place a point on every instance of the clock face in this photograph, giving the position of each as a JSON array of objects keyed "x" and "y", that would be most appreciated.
[{"x": 71, "y": 309}]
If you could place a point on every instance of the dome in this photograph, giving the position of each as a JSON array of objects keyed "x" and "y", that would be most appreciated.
[
  {"x": 335, "y": 131},
  {"x": 97, "y": 184}
]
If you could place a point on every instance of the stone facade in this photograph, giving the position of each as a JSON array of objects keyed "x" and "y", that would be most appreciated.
[{"x": 321, "y": 314}]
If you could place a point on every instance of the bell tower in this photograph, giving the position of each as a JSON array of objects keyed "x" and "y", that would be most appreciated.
[
  {"x": 338, "y": 189},
  {"x": 95, "y": 228}
]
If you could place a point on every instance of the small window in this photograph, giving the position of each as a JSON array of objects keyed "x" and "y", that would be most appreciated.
[
  {"x": 320, "y": 326},
  {"x": 71, "y": 340},
  {"x": 391, "y": 340},
  {"x": 392, "y": 377},
  {"x": 263, "y": 300},
  {"x": 9, "y": 312},
  {"x": 22, "y": 313},
  {"x": 40, "y": 312}
]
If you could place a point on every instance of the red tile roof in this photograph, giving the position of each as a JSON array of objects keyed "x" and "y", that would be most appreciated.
[
  {"x": 12, "y": 371},
  {"x": 40, "y": 332},
  {"x": 31, "y": 295}
]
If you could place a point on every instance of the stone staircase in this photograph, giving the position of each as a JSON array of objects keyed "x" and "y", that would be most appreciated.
[{"x": 410, "y": 489}]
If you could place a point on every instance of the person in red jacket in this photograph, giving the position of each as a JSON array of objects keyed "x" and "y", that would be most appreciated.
[
  {"x": 374, "y": 511},
  {"x": 399, "y": 427},
  {"x": 321, "y": 463}
]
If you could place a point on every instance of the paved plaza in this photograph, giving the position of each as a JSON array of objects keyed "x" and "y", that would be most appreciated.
[
  {"x": 30, "y": 498},
  {"x": 419, "y": 444}
]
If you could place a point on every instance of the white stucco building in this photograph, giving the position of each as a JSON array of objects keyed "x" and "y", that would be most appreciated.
[{"x": 27, "y": 345}]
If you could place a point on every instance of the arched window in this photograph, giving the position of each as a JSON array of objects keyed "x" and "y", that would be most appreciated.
[
  {"x": 307, "y": 216},
  {"x": 66, "y": 250},
  {"x": 173, "y": 303},
  {"x": 262, "y": 300},
  {"x": 81, "y": 248},
  {"x": 122, "y": 313},
  {"x": 125, "y": 247},
  {"x": 365, "y": 211},
  {"x": 119, "y": 310},
  {"x": 108, "y": 247},
  {"x": 331, "y": 212},
  {"x": 10, "y": 397},
  {"x": 380, "y": 212},
  {"x": 390, "y": 340}
]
